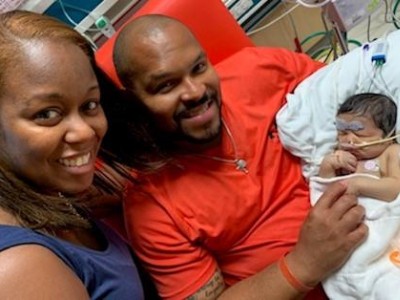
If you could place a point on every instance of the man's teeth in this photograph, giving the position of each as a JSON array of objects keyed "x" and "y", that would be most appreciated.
[
  {"x": 75, "y": 162},
  {"x": 198, "y": 110}
]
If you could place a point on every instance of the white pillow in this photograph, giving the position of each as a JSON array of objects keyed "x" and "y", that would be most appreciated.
[{"x": 306, "y": 123}]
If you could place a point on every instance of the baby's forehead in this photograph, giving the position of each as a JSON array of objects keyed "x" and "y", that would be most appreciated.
[{"x": 363, "y": 117}]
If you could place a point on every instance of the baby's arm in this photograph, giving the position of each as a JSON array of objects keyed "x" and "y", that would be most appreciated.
[
  {"x": 388, "y": 186},
  {"x": 338, "y": 160}
]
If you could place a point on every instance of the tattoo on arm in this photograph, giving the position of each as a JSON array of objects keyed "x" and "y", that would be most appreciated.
[{"x": 212, "y": 289}]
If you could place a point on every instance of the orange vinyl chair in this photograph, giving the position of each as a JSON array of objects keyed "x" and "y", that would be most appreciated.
[{"x": 211, "y": 22}]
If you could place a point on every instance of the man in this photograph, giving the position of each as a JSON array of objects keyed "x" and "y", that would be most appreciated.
[{"x": 231, "y": 201}]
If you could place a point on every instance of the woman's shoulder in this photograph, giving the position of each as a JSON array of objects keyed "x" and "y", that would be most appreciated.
[
  {"x": 7, "y": 219},
  {"x": 37, "y": 266}
]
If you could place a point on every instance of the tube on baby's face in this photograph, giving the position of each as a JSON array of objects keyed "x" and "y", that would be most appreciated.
[{"x": 352, "y": 146}]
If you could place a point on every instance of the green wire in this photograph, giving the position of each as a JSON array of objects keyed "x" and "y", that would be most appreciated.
[
  {"x": 354, "y": 42},
  {"x": 313, "y": 35},
  {"x": 323, "y": 33},
  {"x": 394, "y": 14}
]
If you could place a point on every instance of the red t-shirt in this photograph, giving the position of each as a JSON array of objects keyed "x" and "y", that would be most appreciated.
[{"x": 204, "y": 213}]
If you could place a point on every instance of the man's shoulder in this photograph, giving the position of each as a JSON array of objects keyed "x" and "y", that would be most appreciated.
[
  {"x": 268, "y": 53},
  {"x": 264, "y": 59}
]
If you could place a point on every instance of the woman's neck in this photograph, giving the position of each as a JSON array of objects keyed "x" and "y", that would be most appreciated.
[{"x": 8, "y": 219}]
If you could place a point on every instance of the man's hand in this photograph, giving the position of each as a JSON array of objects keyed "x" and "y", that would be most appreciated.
[{"x": 331, "y": 232}]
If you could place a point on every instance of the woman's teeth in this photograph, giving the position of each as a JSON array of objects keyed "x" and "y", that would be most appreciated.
[{"x": 75, "y": 162}]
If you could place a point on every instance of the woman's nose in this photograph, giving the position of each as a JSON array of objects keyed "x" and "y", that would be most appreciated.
[{"x": 79, "y": 130}]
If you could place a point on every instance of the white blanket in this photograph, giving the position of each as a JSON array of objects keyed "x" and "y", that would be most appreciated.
[
  {"x": 306, "y": 125},
  {"x": 373, "y": 271}
]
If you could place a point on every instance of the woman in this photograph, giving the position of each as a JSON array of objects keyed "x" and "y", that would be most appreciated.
[{"x": 51, "y": 127}]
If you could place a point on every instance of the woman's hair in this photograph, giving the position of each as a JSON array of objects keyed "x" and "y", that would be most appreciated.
[
  {"x": 17, "y": 196},
  {"x": 18, "y": 28},
  {"x": 381, "y": 109},
  {"x": 131, "y": 139}
]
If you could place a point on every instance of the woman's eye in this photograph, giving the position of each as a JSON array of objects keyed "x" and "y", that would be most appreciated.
[
  {"x": 91, "y": 106},
  {"x": 47, "y": 115}
]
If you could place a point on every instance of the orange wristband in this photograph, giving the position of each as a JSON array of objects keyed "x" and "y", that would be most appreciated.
[{"x": 290, "y": 278}]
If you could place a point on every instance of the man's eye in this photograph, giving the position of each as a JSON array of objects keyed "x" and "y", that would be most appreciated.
[
  {"x": 165, "y": 87},
  {"x": 200, "y": 67}
]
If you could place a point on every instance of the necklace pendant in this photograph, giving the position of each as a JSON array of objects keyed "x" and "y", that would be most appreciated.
[{"x": 241, "y": 165}]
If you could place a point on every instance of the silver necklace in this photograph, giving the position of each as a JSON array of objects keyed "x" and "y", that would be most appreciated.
[
  {"x": 240, "y": 163},
  {"x": 71, "y": 207}
]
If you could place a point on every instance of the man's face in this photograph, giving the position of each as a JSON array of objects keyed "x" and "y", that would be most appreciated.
[{"x": 178, "y": 85}]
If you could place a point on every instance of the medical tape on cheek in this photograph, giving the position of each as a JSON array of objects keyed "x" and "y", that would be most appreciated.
[{"x": 342, "y": 125}]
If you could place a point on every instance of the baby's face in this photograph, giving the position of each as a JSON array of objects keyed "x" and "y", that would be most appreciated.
[{"x": 354, "y": 130}]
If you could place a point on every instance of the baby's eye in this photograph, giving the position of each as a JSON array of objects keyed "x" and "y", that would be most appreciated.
[{"x": 359, "y": 134}]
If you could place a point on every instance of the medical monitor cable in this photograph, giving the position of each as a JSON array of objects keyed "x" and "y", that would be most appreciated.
[
  {"x": 72, "y": 21},
  {"x": 378, "y": 59},
  {"x": 313, "y": 5}
]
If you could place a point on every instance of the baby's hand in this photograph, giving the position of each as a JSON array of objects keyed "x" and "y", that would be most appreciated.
[{"x": 344, "y": 160}]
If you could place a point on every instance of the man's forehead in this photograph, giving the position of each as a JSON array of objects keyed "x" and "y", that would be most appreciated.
[{"x": 156, "y": 52}]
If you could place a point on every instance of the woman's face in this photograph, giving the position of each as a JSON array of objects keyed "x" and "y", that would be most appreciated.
[{"x": 51, "y": 121}]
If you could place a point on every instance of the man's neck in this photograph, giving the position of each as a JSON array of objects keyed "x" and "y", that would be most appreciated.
[{"x": 193, "y": 148}]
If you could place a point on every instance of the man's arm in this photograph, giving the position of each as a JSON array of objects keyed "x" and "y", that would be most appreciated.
[
  {"x": 212, "y": 289},
  {"x": 332, "y": 230}
]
